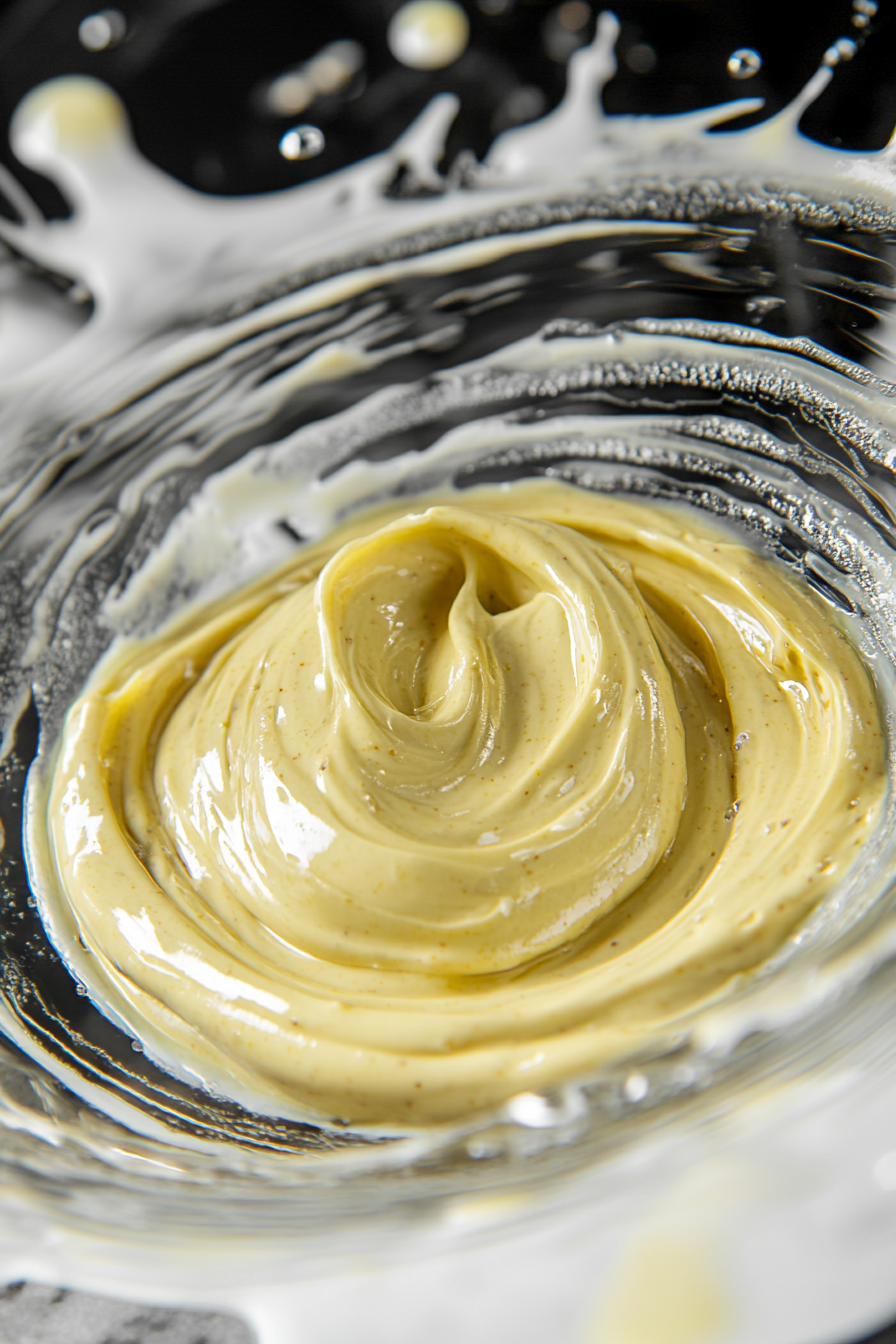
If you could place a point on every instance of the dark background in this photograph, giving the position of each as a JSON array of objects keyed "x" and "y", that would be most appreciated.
[{"x": 193, "y": 75}]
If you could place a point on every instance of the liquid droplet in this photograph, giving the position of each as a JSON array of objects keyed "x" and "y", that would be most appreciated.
[
  {"x": 843, "y": 50},
  {"x": 302, "y": 142},
  {"x": 290, "y": 93},
  {"x": 864, "y": 12},
  {"x": 640, "y": 58},
  {"x": 99, "y": 31},
  {"x": 428, "y": 34},
  {"x": 574, "y": 15},
  {"x": 334, "y": 67},
  {"x": 563, "y": 30},
  {"x": 331, "y": 71},
  {"x": 744, "y": 63}
]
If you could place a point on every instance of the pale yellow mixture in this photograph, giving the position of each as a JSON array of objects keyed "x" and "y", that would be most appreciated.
[{"x": 464, "y": 802}]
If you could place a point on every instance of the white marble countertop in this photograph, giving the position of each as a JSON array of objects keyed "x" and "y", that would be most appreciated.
[{"x": 34, "y": 1314}]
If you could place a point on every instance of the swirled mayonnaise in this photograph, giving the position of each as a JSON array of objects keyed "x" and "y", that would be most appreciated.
[{"x": 465, "y": 800}]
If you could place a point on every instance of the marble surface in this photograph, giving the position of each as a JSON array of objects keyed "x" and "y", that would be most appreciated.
[{"x": 34, "y": 1314}]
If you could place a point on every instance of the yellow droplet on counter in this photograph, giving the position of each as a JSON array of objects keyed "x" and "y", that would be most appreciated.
[
  {"x": 665, "y": 1291},
  {"x": 429, "y": 34}
]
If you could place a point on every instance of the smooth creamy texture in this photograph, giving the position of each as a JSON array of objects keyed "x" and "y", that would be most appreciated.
[{"x": 464, "y": 802}]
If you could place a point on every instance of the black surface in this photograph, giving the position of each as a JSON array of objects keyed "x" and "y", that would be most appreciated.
[
  {"x": 885, "y": 1336},
  {"x": 190, "y": 73}
]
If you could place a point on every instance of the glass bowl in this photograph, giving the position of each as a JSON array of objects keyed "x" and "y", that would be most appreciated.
[{"x": 664, "y": 308}]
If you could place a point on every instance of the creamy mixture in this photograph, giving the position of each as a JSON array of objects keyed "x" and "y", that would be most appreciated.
[{"x": 465, "y": 801}]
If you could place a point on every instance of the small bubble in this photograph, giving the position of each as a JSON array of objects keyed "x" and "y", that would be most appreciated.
[
  {"x": 532, "y": 1110},
  {"x": 740, "y": 740},
  {"x": 100, "y": 31},
  {"x": 428, "y": 34},
  {"x": 640, "y": 58},
  {"x": 732, "y": 811},
  {"x": 573, "y": 15},
  {"x": 635, "y": 1087},
  {"x": 302, "y": 142},
  {"x": 744, "y": 63}
]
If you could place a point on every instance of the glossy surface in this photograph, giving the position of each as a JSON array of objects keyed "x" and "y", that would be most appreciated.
[{"x": 464, "y": 802}]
